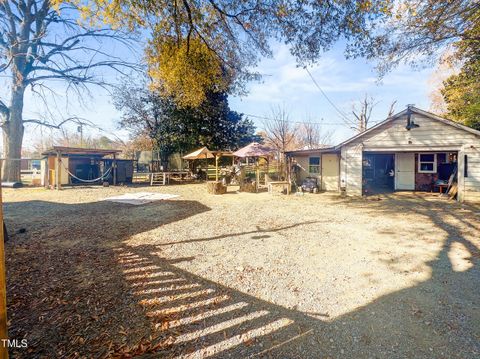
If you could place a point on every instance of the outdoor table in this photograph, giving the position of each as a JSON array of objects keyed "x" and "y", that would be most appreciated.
[
  {"x": 163, "y": 178},
  {"x": 278, "y": 183}
]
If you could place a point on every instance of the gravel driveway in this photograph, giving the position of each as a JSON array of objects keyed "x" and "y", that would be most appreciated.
[{"x": 242, "y": 275}]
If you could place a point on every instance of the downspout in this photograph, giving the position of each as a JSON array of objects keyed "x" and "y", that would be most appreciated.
[{"x": 321, "y": 171}]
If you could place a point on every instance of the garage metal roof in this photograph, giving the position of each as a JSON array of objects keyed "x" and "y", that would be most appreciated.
[{"x": 79, "y": 151}]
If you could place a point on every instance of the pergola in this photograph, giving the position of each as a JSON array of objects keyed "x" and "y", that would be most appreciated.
[
  {"x": 205, "y": 153},
  {"x": 201, "y": 153}
]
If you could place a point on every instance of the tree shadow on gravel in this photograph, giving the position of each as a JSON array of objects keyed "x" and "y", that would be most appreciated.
[
  {"x": 94, "y": 300},
  {"x": 258, "y": 233},
  {"x": 66, "y": 292}
]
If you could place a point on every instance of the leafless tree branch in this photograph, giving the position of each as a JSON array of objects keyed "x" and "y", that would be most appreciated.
[
  {"x": 77, "y": 120},
  {"x": 312, "y": 135},
  {"x": 39, "y": 45},
  {"x": 362, "y": 113},
  {"x": 391, "y": 110},
  {"x": 280, "y": 133}
]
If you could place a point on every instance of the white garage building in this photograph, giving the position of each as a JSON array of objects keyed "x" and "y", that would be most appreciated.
[{"x": 413, "y": 150}]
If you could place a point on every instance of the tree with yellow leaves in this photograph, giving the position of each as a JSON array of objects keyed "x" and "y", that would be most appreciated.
[{"x": 199, "y": 46}]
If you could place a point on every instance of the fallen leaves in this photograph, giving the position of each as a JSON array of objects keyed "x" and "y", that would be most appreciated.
[{"x": 76, "y": 298}]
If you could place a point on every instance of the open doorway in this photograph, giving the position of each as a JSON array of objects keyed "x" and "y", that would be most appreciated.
[
  {"x": 378, "y": 173},
  {"x": 436, "y": 172}
]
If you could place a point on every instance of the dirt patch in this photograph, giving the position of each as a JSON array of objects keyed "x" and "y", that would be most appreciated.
[{"x": 242, "y": 275}]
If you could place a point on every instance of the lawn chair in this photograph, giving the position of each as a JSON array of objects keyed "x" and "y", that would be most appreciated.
[{"x": 310, "y": 184}]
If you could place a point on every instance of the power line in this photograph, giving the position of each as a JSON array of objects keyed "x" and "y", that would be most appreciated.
[
  {"x": 298, "y": 122},
  {"x": 340, "y": 112}
]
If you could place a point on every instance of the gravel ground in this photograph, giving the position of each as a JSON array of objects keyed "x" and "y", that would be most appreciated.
[{"x": 242, "y": 275}]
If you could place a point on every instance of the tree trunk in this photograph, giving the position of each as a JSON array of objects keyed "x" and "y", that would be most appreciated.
[
  {"x": 13, "y": 137},
  {"x": 164, "y": 156}
]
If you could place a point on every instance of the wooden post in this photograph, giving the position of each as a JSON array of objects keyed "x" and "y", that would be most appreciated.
[
  {"x": 58, "y": 170},
  {"x": 289, "y": 170},
  {"x": 321, "y": 172},
  {"x": 216, "y": 167},
  {"x": 257, "y": 175},
  {"x": 206, "y": 166},
  {"x": 267, "y": 175},
  {"x": 3, "y": 288},
  {"x": 46, "y": 172},
  {"x": 114, "y": 165}
]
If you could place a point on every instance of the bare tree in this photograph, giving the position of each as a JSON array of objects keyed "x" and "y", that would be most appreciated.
[
  {"x": 391, "y": 110},
  {"x": 39, "y": 44},
  {"x": 280, "y": 133},
  {"x": 312, "y": 135},
  {"x": 362, "y": 111}
]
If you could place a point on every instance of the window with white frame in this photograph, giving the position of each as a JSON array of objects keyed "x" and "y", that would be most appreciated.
[
  {"x": 427, "y": 163},
  {"x": 314, "y": 164}
]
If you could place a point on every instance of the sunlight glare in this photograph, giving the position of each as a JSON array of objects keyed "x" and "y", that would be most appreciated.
[
  {"x": 460, "y": 257},
  {"x": 237, "y": 340}
]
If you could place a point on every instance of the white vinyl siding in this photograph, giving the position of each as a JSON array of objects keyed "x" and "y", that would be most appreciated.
[
  {"x": 470, "y": 185},
  {"x": 431, "y": 136}
]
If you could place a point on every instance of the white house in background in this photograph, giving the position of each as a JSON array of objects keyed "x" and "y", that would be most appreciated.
[{"x": 413, "y": 150}]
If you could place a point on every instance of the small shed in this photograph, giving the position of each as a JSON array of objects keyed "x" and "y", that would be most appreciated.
[
  {"x": 73, "y": 166},
  {"x": 322, "y": 163}
]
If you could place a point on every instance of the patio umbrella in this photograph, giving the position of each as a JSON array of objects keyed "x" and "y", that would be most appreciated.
[{"x": 254, "y": 149}]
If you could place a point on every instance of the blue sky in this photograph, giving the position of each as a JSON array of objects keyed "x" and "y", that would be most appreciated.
[
  {"x": 284, "y": 84},
  {"x": 344, "y": 82}
]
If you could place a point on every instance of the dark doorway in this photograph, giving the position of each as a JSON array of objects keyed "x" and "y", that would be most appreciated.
[
  {"x": 378, "y": 173},
  {"x": 85, "y": 168}
]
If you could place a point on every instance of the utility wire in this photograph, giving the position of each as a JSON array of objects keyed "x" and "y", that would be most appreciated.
[
  {"x": 298, "y": 122},
  {"x": 340, "y": 112}
]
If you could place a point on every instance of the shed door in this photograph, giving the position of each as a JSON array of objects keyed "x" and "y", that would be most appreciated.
[
  {"x": 51, "y": 170},
  {"x": 405, "y": 171},
  {"x": 330, "y": 172}
]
